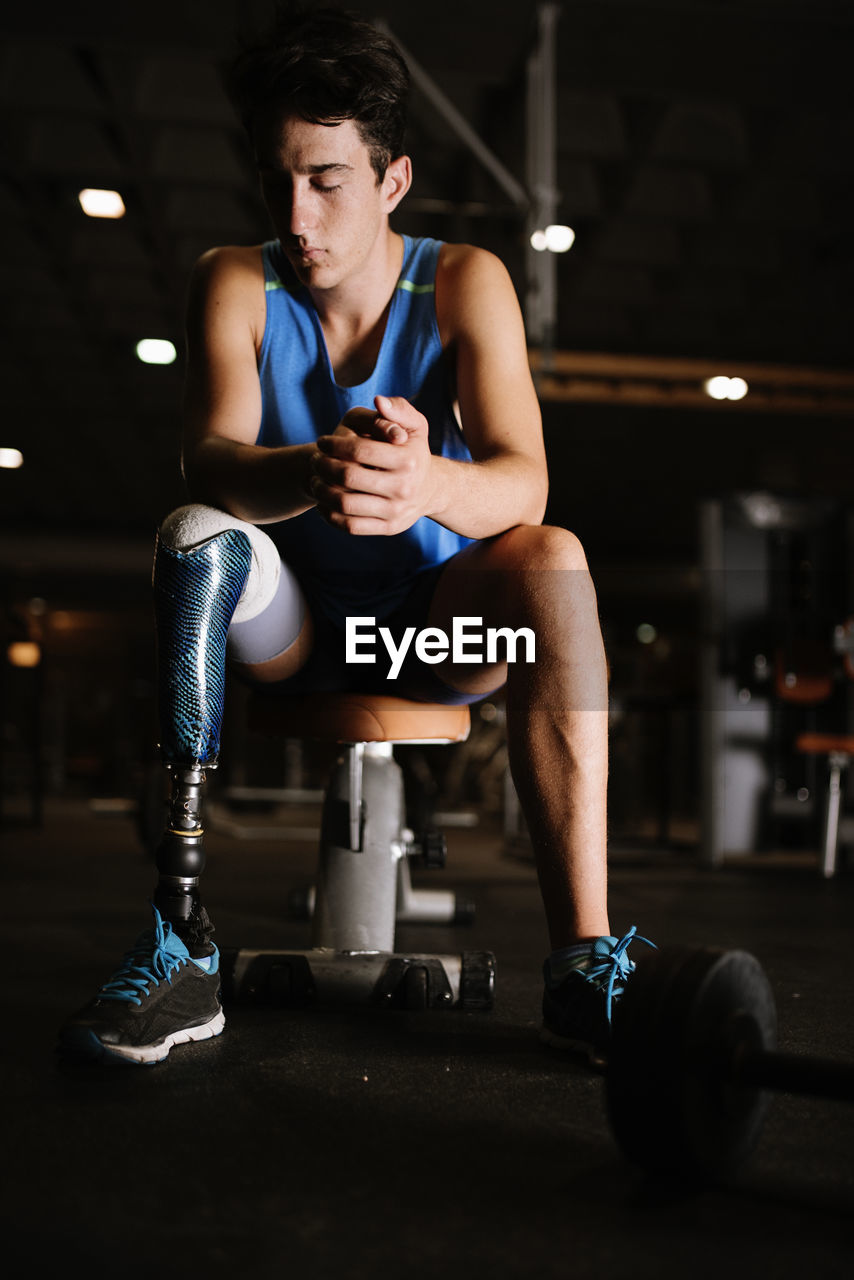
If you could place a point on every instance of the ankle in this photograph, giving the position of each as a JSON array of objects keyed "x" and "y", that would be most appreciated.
[
  {"x": 565, "y": 960},
  {"x": 195, "y": 931}
]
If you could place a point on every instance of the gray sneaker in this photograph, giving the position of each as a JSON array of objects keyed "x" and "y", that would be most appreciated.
[{"x": 158, "y": 997}]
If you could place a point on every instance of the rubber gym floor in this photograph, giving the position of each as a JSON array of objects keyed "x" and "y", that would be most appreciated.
[{"x": 436, "y": 1144}]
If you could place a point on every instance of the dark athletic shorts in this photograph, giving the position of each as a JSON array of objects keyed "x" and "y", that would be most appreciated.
[{"x": 327, "y": 671}]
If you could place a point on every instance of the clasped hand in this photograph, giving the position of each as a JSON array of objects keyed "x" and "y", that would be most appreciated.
[{"x": 373, "y": 475}]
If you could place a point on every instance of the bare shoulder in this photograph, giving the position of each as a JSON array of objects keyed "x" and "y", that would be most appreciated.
[
  {"x": 230, "y": 263},
  {"x": 228, "y": 283},
  {"x": 466, "y": 265},
  {"x": 468, "y": 281}
]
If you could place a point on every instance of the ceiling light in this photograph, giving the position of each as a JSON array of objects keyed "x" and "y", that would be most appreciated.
[
  {"x": 717, "y": 387},
  {"x": 97, "y": 203},
  {"x": 723, "y": 388},
  {"x": 559, "y": 239},
  {"x": 556, "y": 238},
  {"x": 762, "y": 510},
  {"x": 24, "y": 653},
  {"x": 156, "y": 351},
  {"x": 11, "y": 458}
]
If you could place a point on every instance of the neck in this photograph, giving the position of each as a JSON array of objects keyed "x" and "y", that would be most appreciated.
[{"x": 363, "y": 296}]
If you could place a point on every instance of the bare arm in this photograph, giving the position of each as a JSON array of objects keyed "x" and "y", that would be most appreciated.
[
  {"x": 371, "y": 485},
  {"x": 222, "y": 409},
  {"x": 508, "y": 483}
]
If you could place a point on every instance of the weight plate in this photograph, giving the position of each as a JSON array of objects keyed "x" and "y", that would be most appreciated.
[{"x": 674, "y": 1102}]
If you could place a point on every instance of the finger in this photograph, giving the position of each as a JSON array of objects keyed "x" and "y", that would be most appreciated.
[
  {"x": 345, "y": 472},
  {"x": 399, "y": 410},
  {"x": 333, "y": 502},
  {"x": 359, "y": 419},
  {"x": 379, "y": 454},
  {"x": 342, "y": 445},
  {"x": 374, "y": 430},
  {"x": 354, "y": 480},
  {"x": 388, "y": 485},
  {"x": 359, "y": 526},
  {"x": 329, "y": 444},
  {"x": 365, "y": 423},
  {"x": 393, "y": 432}
]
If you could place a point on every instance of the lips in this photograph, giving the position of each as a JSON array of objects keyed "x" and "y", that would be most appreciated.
[{"x": 306, "y": 253}]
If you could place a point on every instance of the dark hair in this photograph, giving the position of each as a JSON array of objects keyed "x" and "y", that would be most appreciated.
[{"x": 326, "y": 66}]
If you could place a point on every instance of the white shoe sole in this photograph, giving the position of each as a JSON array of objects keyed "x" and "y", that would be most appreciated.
[{"x": 148, "y": 1054}]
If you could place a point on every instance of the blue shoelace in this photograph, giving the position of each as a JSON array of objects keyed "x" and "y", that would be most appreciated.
[
  {"x": 147, "y": 963},
  {"x": 609, "y": 972}
]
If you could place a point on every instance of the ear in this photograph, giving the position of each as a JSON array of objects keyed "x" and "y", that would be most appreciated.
[{"x": 397, "y": 181}]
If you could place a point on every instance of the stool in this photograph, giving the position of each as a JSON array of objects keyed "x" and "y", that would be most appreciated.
[
  {"x": 839, "y": 748},
  {"x": 363, "y": 887}
]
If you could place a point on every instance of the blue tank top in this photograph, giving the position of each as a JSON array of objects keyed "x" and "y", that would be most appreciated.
[{"x": 301, "y": 400}]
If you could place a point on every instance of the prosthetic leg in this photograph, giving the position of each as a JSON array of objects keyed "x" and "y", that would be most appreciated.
[
  {"x": 196, "y": 593},
  {"x": 210, "y": 571}
]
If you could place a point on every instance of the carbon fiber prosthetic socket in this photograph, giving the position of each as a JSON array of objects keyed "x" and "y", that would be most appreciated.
[{"x": 195, "y": 595}]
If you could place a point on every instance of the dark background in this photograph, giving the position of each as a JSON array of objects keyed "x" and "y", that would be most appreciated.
[{"x": 705, "y": 162}]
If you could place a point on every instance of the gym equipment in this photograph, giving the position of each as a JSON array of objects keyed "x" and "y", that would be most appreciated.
[
  {"x": 838, "y": 749},
  {"x": 692, "y": 1060},
  {"x": 363, "y": 884},
  {"x": 776, "y": 575}
]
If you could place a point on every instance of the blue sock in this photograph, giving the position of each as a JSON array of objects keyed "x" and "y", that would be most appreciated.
[{"x": 563, "y": 961}]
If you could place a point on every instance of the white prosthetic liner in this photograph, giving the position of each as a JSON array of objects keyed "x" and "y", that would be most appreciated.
[{"x": 190, "y": 527}]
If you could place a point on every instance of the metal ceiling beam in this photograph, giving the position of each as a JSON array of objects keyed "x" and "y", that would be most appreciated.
[
  {"x": 541, "y": 177},
  {"x": 673, "y": 382},
  {"x": 457, "y": 121}
]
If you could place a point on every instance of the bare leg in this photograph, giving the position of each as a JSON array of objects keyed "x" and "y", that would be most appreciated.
[{"x": 557, "y": 707}]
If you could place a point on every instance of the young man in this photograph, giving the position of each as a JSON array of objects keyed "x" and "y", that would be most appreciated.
[{"x": 362, "y": 439}]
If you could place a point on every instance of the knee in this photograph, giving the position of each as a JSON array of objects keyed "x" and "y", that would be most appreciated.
[
  {"x": 541, "y": 547},
  {"x": 191, "y": 525}
]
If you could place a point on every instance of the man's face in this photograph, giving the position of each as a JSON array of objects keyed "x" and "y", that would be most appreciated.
[{"x": 323, "y": 197}]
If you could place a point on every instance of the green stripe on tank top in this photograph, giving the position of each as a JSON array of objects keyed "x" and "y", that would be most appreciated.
[
  {"x": 409, "y": 287},
  {"x": 406, "y": 285}
]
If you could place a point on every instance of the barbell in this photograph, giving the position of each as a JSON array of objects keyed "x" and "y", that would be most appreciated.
[{"x": 693, "y": 1059}]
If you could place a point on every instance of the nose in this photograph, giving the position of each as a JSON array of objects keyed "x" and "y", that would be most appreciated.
[{"x": 302, "y": 217}]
